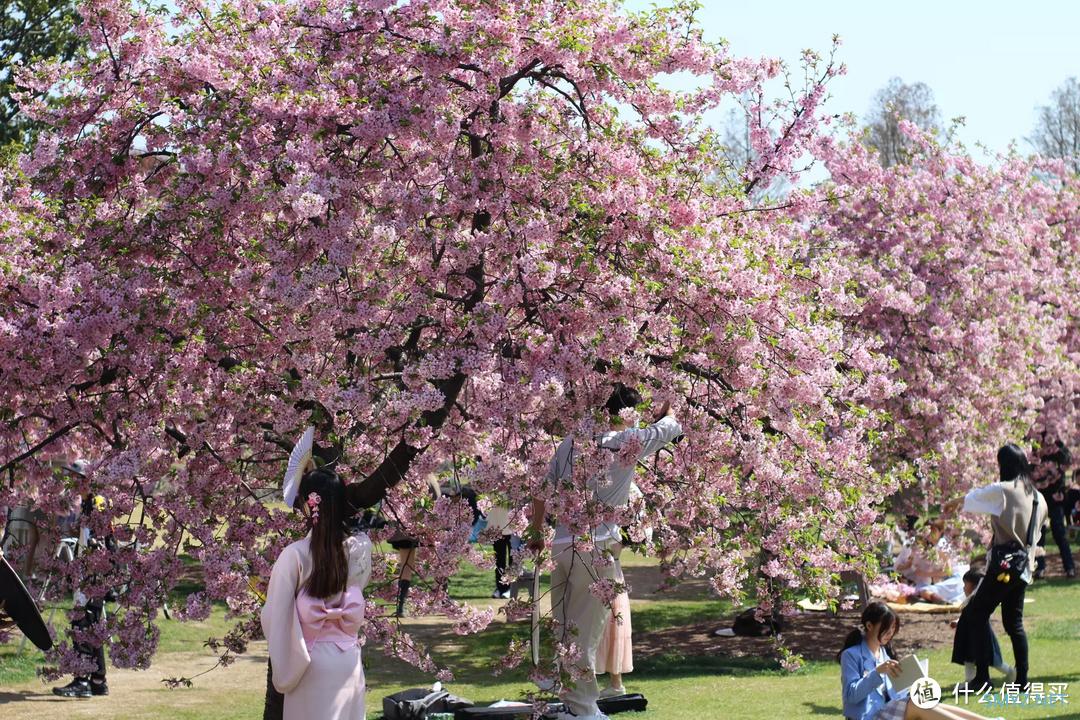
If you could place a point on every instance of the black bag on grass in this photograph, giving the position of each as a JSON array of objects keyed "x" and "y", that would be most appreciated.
[
  {"x": 502, "y": 713},
  {"x": 630, "y": 702},
  {"x": 608, "y": 706},
  {"x": 417, "y": 703},
  {"x": 746, "y": 624}
]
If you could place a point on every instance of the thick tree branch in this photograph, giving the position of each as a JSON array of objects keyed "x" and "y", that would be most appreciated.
[{"x": 47, "y": 441}]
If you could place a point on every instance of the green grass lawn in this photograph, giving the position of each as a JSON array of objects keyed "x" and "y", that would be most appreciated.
[{"x": 678, "y": 686}]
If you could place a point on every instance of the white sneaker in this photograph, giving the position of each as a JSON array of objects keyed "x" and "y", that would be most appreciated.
[
  {"x": 610, "y": 692},
  {"x": 1010, "y": 674},
  {"x": 572, "y": 716}
]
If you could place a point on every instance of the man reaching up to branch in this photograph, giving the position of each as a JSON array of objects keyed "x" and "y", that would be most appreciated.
[{"x": 574, "y": 605}]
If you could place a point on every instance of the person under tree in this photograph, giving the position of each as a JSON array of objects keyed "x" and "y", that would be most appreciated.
[{"x": 573, "y": 603}]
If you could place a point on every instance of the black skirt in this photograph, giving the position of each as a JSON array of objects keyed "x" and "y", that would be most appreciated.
[
  {"x": 401, "y": 541},
  {"x": 974, "y": 640}
]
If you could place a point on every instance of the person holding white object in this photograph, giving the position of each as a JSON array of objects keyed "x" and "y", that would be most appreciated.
[
  {"x": 574, "y": 606},
  {"x": 869, "y": 672}
]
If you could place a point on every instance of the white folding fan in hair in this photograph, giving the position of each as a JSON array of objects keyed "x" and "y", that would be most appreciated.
[{"x": 300, "y": 461}]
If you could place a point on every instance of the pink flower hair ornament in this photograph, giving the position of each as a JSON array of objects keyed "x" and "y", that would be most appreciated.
[{"x": 313, "y": 501}]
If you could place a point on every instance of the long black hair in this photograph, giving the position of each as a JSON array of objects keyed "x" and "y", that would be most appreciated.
[
  {"x": 330, "y": 566},
  {"x": 875, "y": 612},
  {"x": 1013, "y": 464}
]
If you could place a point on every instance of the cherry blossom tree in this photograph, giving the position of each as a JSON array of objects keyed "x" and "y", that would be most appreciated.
[
  {"x": 438, "y": 230},
  {"x": 966, "y": 273},
  {"x": 1059, "y": 418}
]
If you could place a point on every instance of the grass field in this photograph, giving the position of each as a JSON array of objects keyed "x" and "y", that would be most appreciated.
[{"x": 679, "y": 686}]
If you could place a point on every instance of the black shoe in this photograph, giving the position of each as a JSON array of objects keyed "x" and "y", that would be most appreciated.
[
  {"x": 99, "y": 689},
  {"x": 77, "y": 688}
]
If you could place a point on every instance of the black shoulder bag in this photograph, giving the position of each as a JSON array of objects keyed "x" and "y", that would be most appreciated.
[{"x": 1009, "y": 562}]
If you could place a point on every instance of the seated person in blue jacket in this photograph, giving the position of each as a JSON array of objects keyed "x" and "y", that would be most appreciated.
[{"x": 867, "y": 665}]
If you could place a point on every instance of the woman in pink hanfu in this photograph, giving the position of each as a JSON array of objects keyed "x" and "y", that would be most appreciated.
[
  {"x": 615, "y": 654},
  {"x": 315, "y": 607}
]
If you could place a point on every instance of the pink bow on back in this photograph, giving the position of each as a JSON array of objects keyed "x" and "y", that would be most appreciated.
[{"x": 331, "y": 624}]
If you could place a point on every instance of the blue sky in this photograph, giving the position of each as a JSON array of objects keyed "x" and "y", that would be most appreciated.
[{"x": 992, "y": 61}]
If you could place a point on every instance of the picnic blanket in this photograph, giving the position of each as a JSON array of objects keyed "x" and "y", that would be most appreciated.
[{"x": 925, "y": 607}]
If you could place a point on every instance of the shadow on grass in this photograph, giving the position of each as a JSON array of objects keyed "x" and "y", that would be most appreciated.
[
  {"x": 815, "y": 709},
  {"x": 18, "y": 696},
  {"x": 677, "y": 665},
  {"x": 191, "y": 580},
  {"x": 472, "y": 658},
  {"x": 672, "y": 666},
  {"x": 676, "y": 614},
  {"x": 473, "y": 583},
  {"x": 1054, "y": 679}
]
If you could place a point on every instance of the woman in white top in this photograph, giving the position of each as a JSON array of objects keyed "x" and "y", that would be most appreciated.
[
  {"x": 1017, "y": 515},
  {"x": 575, "y": 609}
]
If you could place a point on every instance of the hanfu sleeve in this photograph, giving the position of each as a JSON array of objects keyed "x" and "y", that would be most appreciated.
[
  {"x": 656, "y": 436},
  {"x": 281, "y": 624},
  {"x": 359, "y": 549}
]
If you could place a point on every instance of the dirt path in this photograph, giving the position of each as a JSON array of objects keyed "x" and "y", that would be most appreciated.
[{"x": 132, "y": 691}]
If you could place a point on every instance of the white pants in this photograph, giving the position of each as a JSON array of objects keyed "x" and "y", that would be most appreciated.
[{"x": 574, "y": 607}]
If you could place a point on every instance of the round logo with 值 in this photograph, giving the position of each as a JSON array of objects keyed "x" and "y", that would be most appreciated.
[{"x": 925, "y": 693}]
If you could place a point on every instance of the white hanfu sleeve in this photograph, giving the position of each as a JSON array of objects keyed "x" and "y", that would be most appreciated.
[
  {"x": 657, "y": 435},
  {"x": 359, "y": 550},
  {"x": 281, "y": 624},
  {"x": 989, "y": 500}
]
